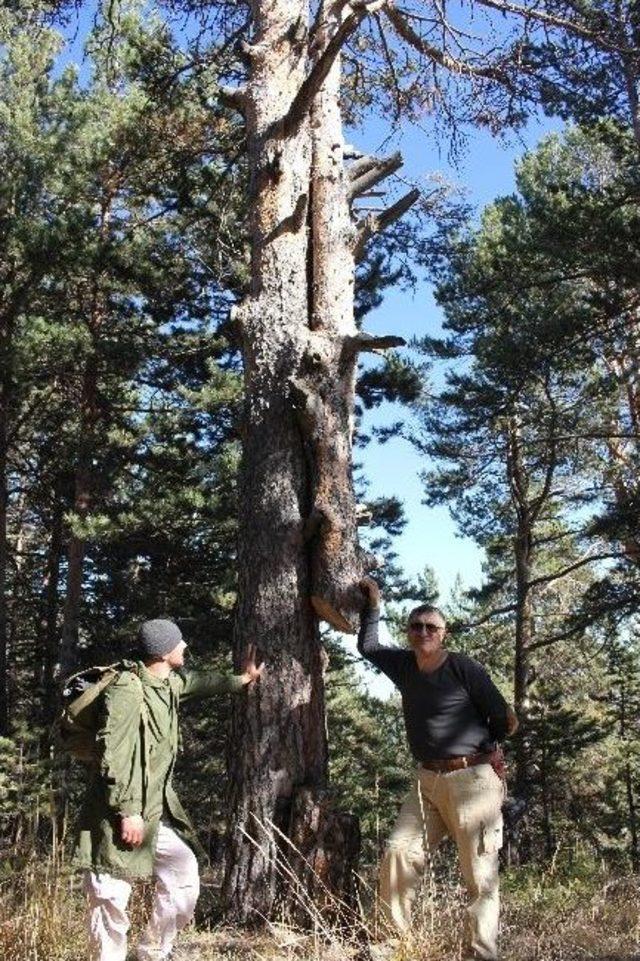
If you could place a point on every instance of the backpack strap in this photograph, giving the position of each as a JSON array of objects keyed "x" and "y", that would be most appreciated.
[
  {"x": 109, "y": 675},
  {"x": 102, "y": 668}
]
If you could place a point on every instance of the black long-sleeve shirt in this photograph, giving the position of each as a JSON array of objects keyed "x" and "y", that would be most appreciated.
[{"x": 450, "y": 712}]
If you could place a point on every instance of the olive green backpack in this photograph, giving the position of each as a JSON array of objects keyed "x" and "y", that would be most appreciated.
[{"x": 77, "y": 723}]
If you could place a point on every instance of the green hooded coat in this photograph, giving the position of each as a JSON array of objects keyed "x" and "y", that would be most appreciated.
[{"x": 136, "y": 755}]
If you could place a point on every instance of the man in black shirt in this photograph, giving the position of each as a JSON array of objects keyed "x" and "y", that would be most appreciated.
[{"x": 454, "y": 717}]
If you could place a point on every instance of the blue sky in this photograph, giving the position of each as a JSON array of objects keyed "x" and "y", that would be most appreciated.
[{"x": 485, "y": 171}]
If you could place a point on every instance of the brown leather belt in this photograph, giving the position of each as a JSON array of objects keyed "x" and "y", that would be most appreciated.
[{"x": 456, "y": 763}]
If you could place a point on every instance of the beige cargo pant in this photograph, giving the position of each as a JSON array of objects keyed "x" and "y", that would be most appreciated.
[{"x": 466, "y": 806}]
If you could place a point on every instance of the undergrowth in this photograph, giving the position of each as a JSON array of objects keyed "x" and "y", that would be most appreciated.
[{"x": 572, "y": 912}]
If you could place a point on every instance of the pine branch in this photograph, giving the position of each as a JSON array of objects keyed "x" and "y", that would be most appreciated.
[
  {"x": 556, "y": 575},
  {"x": 362, "y": 165},
  {"x": 551, "y": 20},
  {"x": 496, "y": 612},
  {"x": 554, "y": 639}
]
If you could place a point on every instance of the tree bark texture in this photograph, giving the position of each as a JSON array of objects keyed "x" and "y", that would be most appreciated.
[
  {"x": 324, "y": 859},
  {"x": 331, "y": 360},
  {"x": 298, "y": 555}
]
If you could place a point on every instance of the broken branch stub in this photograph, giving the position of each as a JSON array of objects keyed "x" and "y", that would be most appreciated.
[
  {"x": 374, "y": 224},
  {"x": 373, "y": 174},
  {"x": 364, "y": 341}
]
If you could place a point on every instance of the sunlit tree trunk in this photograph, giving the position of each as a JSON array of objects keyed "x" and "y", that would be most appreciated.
[{"x": 298, "y": 554}]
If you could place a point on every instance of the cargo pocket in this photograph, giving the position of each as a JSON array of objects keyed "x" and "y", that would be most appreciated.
[{"x": 490, "y": 838}]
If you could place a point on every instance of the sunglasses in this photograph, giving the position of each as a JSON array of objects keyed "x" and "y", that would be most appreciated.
[{"x": 429, "y": 628}]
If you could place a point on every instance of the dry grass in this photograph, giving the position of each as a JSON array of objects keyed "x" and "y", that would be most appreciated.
[{"x": 579, "y": 915}]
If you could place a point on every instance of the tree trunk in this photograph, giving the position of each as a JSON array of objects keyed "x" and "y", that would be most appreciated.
[
  {"x": 628, "y": 62},
  {"x": 523, "y": 632},
  {"x": 279, "y": 728},
  {"x": 331, "y": 359},
  {"x": 621, "y": 473},
  {"x": 297, "y": 537},
  {"x": 82, "y": 500},
  {"x": 549, "y": 843},
  {"x": 634, "y": 848},
  {"x": 324, "y": 860},
  {"x": 4, "y": 560}
]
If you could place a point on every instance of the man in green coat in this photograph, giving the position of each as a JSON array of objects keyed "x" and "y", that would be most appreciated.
[{"x": 132, "y": 824}]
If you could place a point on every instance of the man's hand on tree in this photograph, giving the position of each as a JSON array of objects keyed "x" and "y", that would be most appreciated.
[
  {"x": 251, "y": 671},
  {"x": 132, "y": 829},
  {"x": 371, "y": 591},
  {"x": 512, "y": 721}
]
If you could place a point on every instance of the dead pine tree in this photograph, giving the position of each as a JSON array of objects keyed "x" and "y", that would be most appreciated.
[
  {"x": 299, "y": 558},
  {"x": 298, "y": 555}
]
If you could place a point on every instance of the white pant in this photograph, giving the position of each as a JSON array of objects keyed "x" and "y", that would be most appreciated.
[{"x": 177, "y": 885}]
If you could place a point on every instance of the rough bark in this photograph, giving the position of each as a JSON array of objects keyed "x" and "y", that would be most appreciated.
[
  {"x": 279, "y": 728},
  {"x": 331, "y": 360},
  {"x": 324, "y": 859},
  {"x": 298, "y": 553}
]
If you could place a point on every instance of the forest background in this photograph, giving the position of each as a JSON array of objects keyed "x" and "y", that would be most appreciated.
[{"x": 124, "y": 244}]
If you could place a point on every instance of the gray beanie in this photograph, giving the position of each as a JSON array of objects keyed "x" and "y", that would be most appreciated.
[{"x": 158, "y": 637}]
